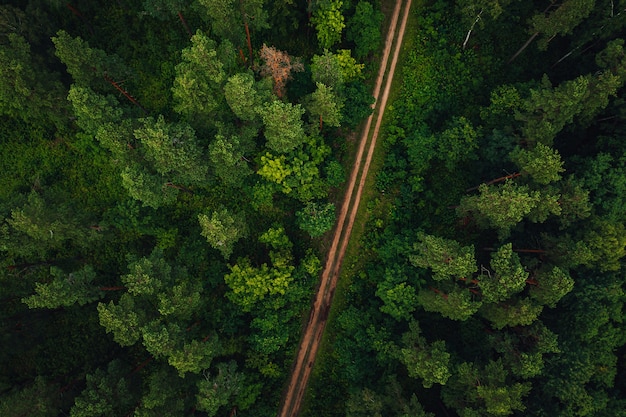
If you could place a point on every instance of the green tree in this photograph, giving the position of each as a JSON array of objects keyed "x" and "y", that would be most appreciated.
[
  {"x": 399, "y": 300},
  {"x": 221, "y": 389},
  {"x": 199, "y": 79},
  {"x": 325, "y": 104},
  {"x": 494, "y": 394},
  {"x": 552, "y": 284},
  {"x": 364, "y": 29},
  {"x": 513, "y": 313},
  {"x": 549, "y": 109},
  {"x": 457, "y": 143},
  {"x": 283, "y": 125},
  {"x": 542, "y": 163},
  {"x": 146, "y": 187},
  {"x": 38, "y": 399},
  {"x": 26, "y": 91},
  {"x": 107, "y": 394},
  {"x": 329, "y": 23},
  {"x": 172, "y": 151},
  {"x": 326, "y": 69},
  {"x": 560, "y": 21},
  {"x": 43, "y": 225},
  {"x": 122, "y": 319},
  {"x": 229, "y": 162},
  {"x": 457, "y": 304},
  {"x": 245, "y": 96},
  {"x": 501, "y": 206},
  {"x": 428, "y": 361},
  {"x": 89, "y": 67},
  {"x": 315, "y": 218},
  {"x": 508, "y": 276},
  {"x": 93, "y": 110},
  {"x": 446, "y": 258},
  {"x": 249, "y": 285},
  {"x": 222, "y": 230},
  {"x": 65, "y": 289}
]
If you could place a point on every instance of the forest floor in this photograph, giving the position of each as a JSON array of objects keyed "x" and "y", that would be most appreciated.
[{"x": 314, "y": 329}]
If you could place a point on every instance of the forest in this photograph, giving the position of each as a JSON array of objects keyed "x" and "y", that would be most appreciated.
[{"x": 171, "y": 171}]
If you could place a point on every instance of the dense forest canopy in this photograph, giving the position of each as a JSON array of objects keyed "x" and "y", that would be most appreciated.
[
  {"x": 171, "y": 168},
  {"x": 167, "y": 167}
]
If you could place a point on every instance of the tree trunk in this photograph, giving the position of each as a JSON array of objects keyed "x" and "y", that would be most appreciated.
[
  {"x": 506, "y": 177},
  {"x": 184, "y": 22},
  {"x": 248, "y": 40},
  {"x": 125, "y": 93},
  {"x": 469, "y": 32},
  {"x": 520, "y": 50}
]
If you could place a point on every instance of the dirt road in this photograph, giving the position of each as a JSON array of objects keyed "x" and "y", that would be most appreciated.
[{"x": 290, "y": 406}]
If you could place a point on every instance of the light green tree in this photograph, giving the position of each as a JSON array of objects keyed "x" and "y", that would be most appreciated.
[
  {"x": 199, "y": 79},
  {"x": 65, "y": 289},
  {"x": 551, "y": 285},
  {"x": 500, "y": 206},
  {"x": 542, "y": 163},
  {"x": 222, "y": 230},
  {"x": 329, "y": 23},
  {"x": 457, "y": 304},
  {"x": 283, "y": 125},
  {"x": 445, "y": 258},
  {"x": 508, "y": 276},
  {"x": 325, "y": 105},
  {"x": 428, "y": 361}
]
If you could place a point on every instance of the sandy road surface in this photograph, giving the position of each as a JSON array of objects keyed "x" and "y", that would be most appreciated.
[{"x": 292, "y": 398}]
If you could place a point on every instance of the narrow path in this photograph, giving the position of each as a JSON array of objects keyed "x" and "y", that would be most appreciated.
[{"x": 292, "y": 399}]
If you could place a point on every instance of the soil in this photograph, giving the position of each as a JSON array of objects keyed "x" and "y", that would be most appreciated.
[{"x": 314, "y": 329}]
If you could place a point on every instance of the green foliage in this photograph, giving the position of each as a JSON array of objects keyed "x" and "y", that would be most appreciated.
[
  {"x": 500, "y": 207},
  {"x": 552, "y": 285},
  {"x": 244, "y": 95},
  {"x": 562, "y": 20},
  {"x": 457, "y": 143},
  {"x": 428, "y": 361},
  {"x": 122, "y": 320},
  {"x": 249, "y": 285},
  {"x": 316, "y": 219},
  {"x": 329, "y": 23},
  {"x": 400, "y": 300},
  {"x": 88, "y": 66},
  {"x": 199, "y": 80},
  {"x": 108, "y": 393},
  {"x": 25, "y": 91},
  {"x": 364, "y": 29},
  {"x": 39, "y": 399},
  {"x": 220, "y": 390},
  {"x": 493, "y": 396},
  {"x": 325, "y": 104},
  {"x": 508, "y": 277},
  {"x": 222, "y": 230},
  {"x": 326, "y": 69},
  {"x": 283, "y": 125},
  {"x": 521, "y": 312},
  {"x": 446, "y": 258},
  {"x": 65, "y": 289},
  {"x": 455, "y": 305},
  {"x": 542, "y": 163}
]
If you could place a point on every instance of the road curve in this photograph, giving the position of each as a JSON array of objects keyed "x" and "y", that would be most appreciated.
[{"x": 292, "y": 398}]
